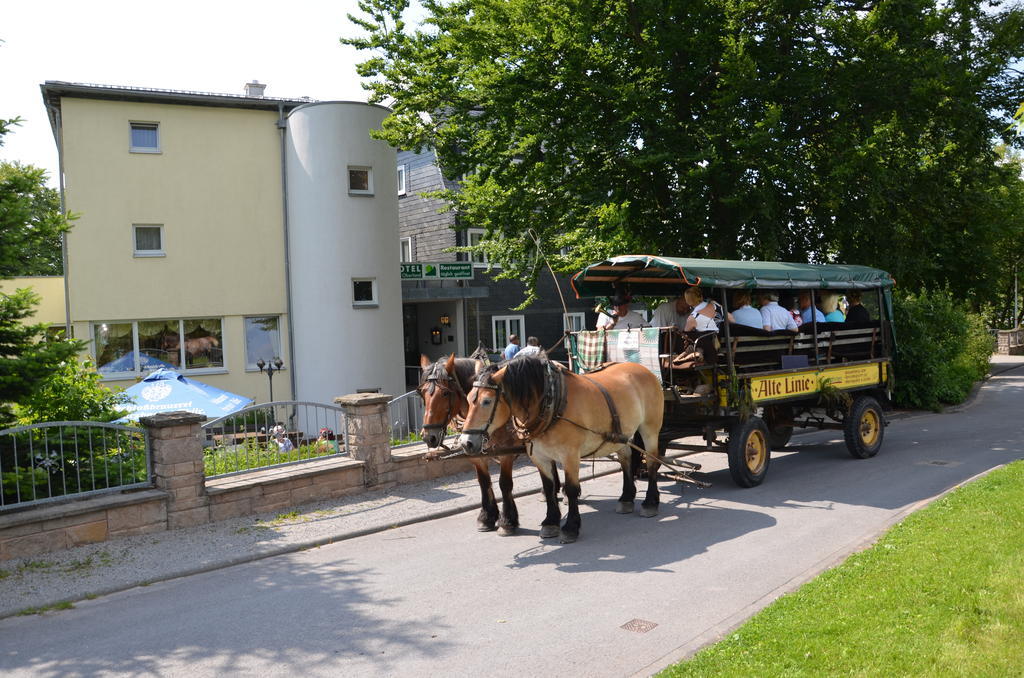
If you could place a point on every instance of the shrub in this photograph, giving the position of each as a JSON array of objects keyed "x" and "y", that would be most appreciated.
[
  {"x": 73, "y": 391},
  {"x": 941, "y": 350}
]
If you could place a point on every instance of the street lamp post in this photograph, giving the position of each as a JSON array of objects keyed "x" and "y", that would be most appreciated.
[{"x": 274, "y": 366}]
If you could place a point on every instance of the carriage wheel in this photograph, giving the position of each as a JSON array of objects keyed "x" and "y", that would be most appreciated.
[
  {"x": 779, "y": 419},
  {"x": 749, "y": 452},
  {"x": 864, "y": 427}
]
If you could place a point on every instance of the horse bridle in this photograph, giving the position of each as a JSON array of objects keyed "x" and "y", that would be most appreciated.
[
  {"x": 484, "y": 382},
  {"x": 451, "y": 394}
]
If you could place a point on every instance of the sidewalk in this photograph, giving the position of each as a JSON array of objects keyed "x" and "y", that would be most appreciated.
[{"x": 98, "y": 569}]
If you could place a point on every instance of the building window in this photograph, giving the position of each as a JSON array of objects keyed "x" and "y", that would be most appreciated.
[
  {"x": 145, "y": 137},
  {"x": 573, "y": 322},
  {"x": 504, "y": 326},
  {"x": 202, "y": 345},
  {"x": 473, "y": 238},
  {"x": 407, "y": 250},
  {"x": 148, "y": 240},
  {"x": 262, "y": 340},
  {"x": 364, "y": 292},
  {"x": 401, "y": 180},
  {"x": 360, "y": 181},
  {"x": 128, "y": 349}
]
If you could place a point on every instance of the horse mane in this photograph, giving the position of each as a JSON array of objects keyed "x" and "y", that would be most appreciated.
[
  {"x": 465, "y": 372},
  {"x": 524, "y": 380}
]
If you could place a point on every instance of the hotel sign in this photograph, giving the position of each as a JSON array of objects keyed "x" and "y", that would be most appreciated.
[{"x": 439, "y": 270}]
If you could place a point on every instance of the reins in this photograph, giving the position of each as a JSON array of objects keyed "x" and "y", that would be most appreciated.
[{"x": 552, "y": 410}]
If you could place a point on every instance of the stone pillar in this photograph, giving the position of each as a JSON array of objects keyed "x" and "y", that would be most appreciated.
[
  {"x": 368, "y": 432},
  {"x": 178, "y": 466}
]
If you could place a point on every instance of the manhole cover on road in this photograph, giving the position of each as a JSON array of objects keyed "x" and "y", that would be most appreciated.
[{"x": 638, "y": 625}]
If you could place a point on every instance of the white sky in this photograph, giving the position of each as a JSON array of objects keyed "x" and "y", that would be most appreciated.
[{"x": 212, "y": 46}]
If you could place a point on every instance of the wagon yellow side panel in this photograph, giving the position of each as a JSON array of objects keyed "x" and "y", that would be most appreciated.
[{"x": 807, "y": 382}]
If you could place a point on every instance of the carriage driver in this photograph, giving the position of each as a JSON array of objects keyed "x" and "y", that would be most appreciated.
[{"x": 621, "y": 318}]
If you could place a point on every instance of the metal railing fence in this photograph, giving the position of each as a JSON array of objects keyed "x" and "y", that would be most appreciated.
[
  {"x": 273, "y": 434},
  {"x": 405, "y": 414},
  {"x": 57, "y": 460}
]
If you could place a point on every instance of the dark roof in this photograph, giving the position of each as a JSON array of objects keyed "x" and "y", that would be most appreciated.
[{"x": 53, "y": 90}]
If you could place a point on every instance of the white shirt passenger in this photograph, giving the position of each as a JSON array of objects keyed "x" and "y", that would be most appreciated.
[
  {"x": 749, "y": 316},
  {"x": 666, "y": 315},
  {"x": 632, "y": 319},
  {"x": 776, "y": 317}
]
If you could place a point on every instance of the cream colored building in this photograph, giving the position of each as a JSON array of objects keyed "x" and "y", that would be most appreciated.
[
  {"x": 181, "y": 253},
  {"x": 50, "y": 289}
]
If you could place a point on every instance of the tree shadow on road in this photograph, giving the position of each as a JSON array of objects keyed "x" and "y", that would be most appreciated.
[{"x": 291, "y": 612}]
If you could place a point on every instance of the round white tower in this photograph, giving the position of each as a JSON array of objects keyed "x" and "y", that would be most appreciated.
[{"x": 346, "y": 295}]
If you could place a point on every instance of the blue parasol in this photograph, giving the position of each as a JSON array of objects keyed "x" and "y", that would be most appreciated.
[{"x": 167, "y": 391}]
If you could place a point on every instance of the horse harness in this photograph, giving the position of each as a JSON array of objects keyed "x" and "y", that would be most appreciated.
[
  {"x": 552, "y": 410},
  {"x": 445, "y": 382}
]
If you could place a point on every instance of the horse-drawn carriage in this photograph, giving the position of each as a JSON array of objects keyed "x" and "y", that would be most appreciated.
[
  {"x": 753, "y": 385},
  {"x": 635, "y": 392}
]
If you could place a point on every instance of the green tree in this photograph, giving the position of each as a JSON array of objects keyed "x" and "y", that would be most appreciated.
[
  {"x": 26, "y": 359},
  {"x": 808, "y": 130},
  {"x": 71, "y": 392},
  {"x": 27, "y": 223},
  {"x": 31, "y": 220}
]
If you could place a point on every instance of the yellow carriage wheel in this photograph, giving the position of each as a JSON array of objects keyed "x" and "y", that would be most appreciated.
[
  {"x": 864, "y": 427},
  {"x": 870, "y": 428},
  {"x": 749, "y": 452},
  {"x": 756, "y": 451}
]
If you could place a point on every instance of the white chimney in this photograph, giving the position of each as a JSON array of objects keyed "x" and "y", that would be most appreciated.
[{"x": 254, "y": 89}]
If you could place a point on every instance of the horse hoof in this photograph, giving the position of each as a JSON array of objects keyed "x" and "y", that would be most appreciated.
[
  {"x": 548, "y": 531},
  {"x": 648, "y": 511},
  {"x": 624, "y": 507},
  {"x": 484, "y": 527},
  {"x": 567, "y": 538},
  {"x": 504, "y": 531}
]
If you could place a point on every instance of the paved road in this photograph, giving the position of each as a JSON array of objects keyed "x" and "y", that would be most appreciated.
[{"x": 437, "y": 598}]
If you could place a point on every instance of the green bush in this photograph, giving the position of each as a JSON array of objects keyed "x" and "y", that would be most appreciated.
[
  {"x": 73, "y": 391},
  {"x": 42, "y": 463},
  {"x": 942, "y": 349}
]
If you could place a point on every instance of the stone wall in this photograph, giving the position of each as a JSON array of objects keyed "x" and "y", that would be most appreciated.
[
  {"x": 183, "y": 497},
  {"x": 1010, "y": 342}
]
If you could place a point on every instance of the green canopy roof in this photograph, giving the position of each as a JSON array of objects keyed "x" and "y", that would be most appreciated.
[{"x": 668, "y": 276}]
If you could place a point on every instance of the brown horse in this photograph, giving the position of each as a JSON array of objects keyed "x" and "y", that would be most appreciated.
[
  {"x": 566, "y": 417},
  {"x": 443, "y": 387}
]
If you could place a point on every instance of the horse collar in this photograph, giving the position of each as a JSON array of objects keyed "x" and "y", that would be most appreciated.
[{"x": 552, "y": 406}]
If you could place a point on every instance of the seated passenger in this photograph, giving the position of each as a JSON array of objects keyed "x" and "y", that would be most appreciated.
[
  {"x": 856, "y": 313},
  {"x": 744, "y": 313},
  {"x": 830, "y": 307},
  {"x": 773, "y": 316},
  {"x": 674, "y": 312},
  {"x": 807, "y": 310},
  {"x": 532, "y": 348},
  {"x": 706, "y": 316},
  {"x": 621, "y": 318}
]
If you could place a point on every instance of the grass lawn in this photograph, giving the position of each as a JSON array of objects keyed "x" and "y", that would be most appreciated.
[
  {"x": 217, "y": 460},
  {"x": 941, "y": 594}
]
